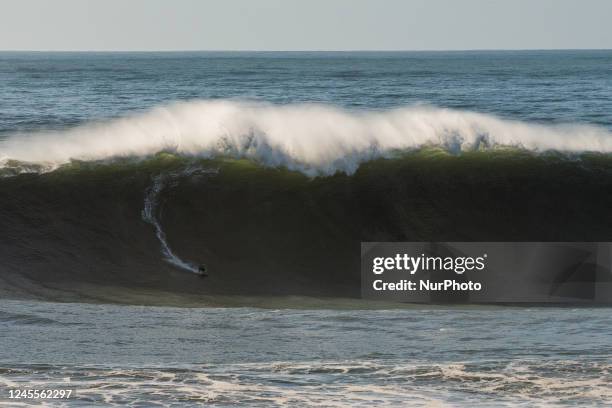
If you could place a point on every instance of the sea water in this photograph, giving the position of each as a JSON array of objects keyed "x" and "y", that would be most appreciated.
[
  {"x": 330, "y": 356},
  {"x": 415, "y": 356}
]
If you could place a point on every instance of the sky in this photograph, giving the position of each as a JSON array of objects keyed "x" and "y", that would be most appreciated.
[{"x": 155, "y": 25}]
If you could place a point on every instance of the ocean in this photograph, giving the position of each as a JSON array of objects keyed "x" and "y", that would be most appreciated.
[
  {"x": 416, "y": 356},
  {"x": 123, "y": 174}
]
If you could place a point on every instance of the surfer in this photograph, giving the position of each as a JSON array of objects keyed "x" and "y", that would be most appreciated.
[{"x": 202, "y": 271}]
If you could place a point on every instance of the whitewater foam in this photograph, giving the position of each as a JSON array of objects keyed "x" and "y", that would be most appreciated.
[
  {"x": 314, "y": 139},
  {"x": 330, "y": 383}
]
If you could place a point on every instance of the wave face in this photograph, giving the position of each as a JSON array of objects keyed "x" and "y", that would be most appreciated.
[
  {"x": 86, "y": 230},
  {"x": 275, "y": 200},
  {"x": 149, "y": 214},
  {"x": 313, "y": 139}
]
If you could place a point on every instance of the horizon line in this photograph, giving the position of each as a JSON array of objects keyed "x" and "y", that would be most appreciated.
[{"x": 297, "y": 51}]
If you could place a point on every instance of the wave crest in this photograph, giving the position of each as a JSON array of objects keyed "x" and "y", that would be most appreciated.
[{"x": 313, "y": 139}]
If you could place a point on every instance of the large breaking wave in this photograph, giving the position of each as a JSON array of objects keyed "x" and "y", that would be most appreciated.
[
  {"x": 314, "y": 139},
  {"x": 233, "y": 189}
]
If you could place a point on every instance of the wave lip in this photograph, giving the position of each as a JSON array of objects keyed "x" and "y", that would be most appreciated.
[{"x": 313, "y": 139}]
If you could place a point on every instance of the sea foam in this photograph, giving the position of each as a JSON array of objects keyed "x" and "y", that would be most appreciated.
[{"x": 314, "y": 139}]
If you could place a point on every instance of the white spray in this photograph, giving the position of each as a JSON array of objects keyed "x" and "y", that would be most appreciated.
[{"x": 314, "y": 139}]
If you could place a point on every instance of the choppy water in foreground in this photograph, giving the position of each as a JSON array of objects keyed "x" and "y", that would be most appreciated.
[{"x": 260, "y": 357}]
